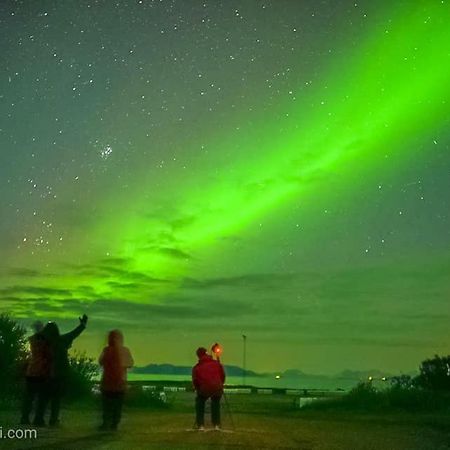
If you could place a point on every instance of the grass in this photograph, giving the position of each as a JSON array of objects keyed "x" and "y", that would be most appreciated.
[{"x": 260, "y": 422}]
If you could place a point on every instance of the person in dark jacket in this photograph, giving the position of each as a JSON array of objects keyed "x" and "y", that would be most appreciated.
[
  {"x": 208, "y": 377},
  {"x": 59, "y": 369},
  {"x": 115, "y": 360},
  {"x": 37, "y": 371}
]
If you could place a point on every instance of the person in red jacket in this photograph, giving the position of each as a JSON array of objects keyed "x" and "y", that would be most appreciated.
[
  {"x": 208, "y": 377},
  {"x": 37, "y": 373},
  {"x": 115, "y": 360}
]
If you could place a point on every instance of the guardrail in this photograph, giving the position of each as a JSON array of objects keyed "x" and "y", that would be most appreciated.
[
  {"x": 231, "y": 390},
  {"x": 298, "y": 397}
]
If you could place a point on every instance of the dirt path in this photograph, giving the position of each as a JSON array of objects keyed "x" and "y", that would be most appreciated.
[{"x": 143, "y": 429}]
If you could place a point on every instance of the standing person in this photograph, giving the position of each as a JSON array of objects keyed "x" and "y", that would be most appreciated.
[
  {"x": 59, "y": 368},
  {"x": 115, "y": 360},
  {"x": 208, "y": 377},
  {"x": 37, "y": 373}
]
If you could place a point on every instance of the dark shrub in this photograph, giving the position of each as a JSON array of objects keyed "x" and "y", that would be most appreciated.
[
  {"x": 13, "y": 354},
  {"x": 435, "y": 374},
  {"x": 364, "y": 396},
  {"x": 402, "y": 382},
  {"x": 153, "y": 399},
  {"x": 83, "y": 371}
]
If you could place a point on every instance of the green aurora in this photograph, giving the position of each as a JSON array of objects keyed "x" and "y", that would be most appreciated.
[{"x": 294, "y": 220}]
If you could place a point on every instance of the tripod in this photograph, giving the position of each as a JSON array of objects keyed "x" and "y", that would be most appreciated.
[
  {"x": 229, "y": 411},
  {"x": 216, "y": 351}
]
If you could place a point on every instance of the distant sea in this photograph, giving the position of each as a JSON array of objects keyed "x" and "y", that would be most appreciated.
[{"x": 309, "y": 382}]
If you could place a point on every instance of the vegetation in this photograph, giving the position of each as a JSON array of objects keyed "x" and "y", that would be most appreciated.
[
  {"x": 149, "y": 399},
  {"x": 428, "y": 391},
  {"x": 13, "y": 355},
  {"x": 83, "y": 371},
  {"x": 14, "y": 352},
  {"x": 434, "y": 374}
]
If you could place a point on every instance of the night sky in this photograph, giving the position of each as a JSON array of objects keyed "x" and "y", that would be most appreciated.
[{"x": 191, "y": 171}]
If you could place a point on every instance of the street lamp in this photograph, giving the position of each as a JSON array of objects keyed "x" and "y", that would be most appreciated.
[{"x": 244, "y": 358}]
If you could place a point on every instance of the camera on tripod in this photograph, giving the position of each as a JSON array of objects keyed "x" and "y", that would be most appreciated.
[{"x": 216, "y": 350}]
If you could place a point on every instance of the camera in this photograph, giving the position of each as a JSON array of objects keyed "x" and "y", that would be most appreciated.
[{"x": 216, "y": 349}]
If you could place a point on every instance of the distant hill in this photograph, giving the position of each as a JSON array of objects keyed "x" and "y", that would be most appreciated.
[
  {"x": 362, "y": 375},
  {"x": 170, "y": 369},
  {"x": 236, "y": 371},
  {"x": 295, "y": 373}
]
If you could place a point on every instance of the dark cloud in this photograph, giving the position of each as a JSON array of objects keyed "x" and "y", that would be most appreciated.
[
  {"x": 24, "y": 273},
  {"x": 123, "y": 286},
  {"x": 114, "y": 270},
  {"x": 168, "y": 220},
  {"x": 180, "y": 312},
  {"x": 357, "y": 307},
  {"x": 253, "y": 281},
  {"x": 182, "y": 222},
  {"x": 35, "y": 290},
  {"x": 171, "y": 252}
]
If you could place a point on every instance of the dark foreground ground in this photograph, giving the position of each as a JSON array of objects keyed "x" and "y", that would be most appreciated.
[{"x": 256, "y": 422}]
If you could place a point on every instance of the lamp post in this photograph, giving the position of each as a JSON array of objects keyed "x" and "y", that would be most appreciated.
[{"x": 244, "y": 358}]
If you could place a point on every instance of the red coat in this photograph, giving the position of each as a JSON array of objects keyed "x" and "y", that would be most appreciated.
[
  {"x": 208, "y": 377},
  {"x": 115, "y": 359},
  {"x": 40, "y": 358}
]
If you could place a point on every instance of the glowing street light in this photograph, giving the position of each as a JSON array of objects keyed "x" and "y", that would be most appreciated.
[{"x": 244, "y": 358}]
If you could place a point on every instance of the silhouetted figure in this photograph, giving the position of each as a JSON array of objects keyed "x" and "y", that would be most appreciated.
[
  {"x": 115, "y": 360},
  {"x": 37, "y": 372},
  {"x": 208, "y": 377},
  {"x": 59, "y": 369}
]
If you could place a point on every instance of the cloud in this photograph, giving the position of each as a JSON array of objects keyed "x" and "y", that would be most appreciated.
[
  {"x": 241, "y": 281},
  {"x": 114, "y": 262},
  {"x": 24, "y": 273},
  {"x": 375, "y": 304},
  {"x": 182, "y": 222},
  {"x": 179, "y": 312},
  {"x": 170, "y": 252},
  {"x": 123, "y": 286},
  {"x": 35, "y": 290},
  {"x": 168, "y": 219},
  {"x": 117, "y": 269}
]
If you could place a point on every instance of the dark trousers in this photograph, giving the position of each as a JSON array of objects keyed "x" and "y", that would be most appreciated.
[
  {"x": 34, "y": 390},
  {"x": 112, "y": 403},
  {"x": 200, "y": 409},
  {"x": 53, "y": 392}
]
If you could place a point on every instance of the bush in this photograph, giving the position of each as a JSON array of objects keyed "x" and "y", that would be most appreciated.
[
  {"x": 402, "y": 382},
  {"x": 410, "y": 399},
  {"x": 83, "y": 371},
  {"x": 153, "y": 399},
  {"x": 429, "y": 391},
  {"x": 13, "y": 355},
  {"x": 365, "y": 396},
  {"x": 435, "y": 374}
]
